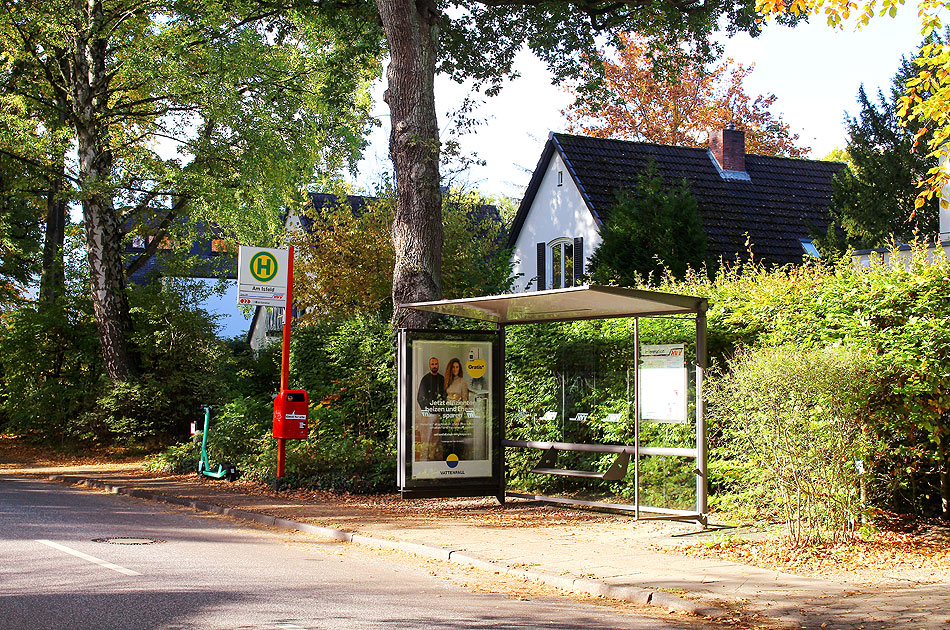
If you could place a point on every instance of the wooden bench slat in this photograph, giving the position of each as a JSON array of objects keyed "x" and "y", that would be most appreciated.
[
  {"x": 568, "y": 473},
  {"x": 602, "y": 448},
  {"x": 570, "y": 446}
]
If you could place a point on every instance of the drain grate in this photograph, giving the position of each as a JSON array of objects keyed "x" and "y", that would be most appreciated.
[{"x": 127, "y": 540}]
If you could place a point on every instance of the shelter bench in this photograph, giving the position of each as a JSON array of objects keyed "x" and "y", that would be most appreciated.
[
  {"x": 548, "y": 463},
  {"x": 617, "y": 470}
]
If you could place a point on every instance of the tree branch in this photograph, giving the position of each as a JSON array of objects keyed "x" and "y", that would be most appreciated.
[{"x": 159, "y": 236}]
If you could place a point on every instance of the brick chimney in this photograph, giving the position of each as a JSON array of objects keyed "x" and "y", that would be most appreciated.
[{"x": 728, "y": 147}]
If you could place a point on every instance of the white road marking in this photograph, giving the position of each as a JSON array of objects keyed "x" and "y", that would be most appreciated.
[{"x": 92, "y": 559}]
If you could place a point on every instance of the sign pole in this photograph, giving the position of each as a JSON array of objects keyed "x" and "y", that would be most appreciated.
[{"x": 285, "y": 353}]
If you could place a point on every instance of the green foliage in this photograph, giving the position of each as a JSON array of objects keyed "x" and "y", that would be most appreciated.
[
  {"x": 474, "y": 259},
  {"x": 348, "y": 369},
  {"x": 21, "y": 212},
  {"x": 180, "y": 357},
  {"x": 901, "y": 315},
  {"x": 347, "y": 257},
  {"x": 249, "y": 373},
  {"x": 51, "y": 370},
  {"x": 653, "y": 229},
  {"x": 240, "y": 433},
  {"x": 480, "y": 41},
  {"x": 259, "y": 102},
  {"x": 346, "y": 366},
  {"x": 897, "y": 316},
  {"x": 874, "y": 202},
  {"x": 54, "y": 389},
  {"x": 177, "y": 459},
  {"x": 797, "y": 419}
]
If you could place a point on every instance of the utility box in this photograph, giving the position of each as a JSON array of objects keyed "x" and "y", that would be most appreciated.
[{"x": 291, "y": 415}]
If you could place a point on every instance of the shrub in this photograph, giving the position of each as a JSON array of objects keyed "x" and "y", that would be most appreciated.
[
  {"x": 347, "y": 368},
  {"x": 54, "y": 386},
  {"x": 796, "y": 418},
  {"x": 51, "y": 370},
  {"x": 240, "y": 433},
  {"x": 654, "y": 228}
]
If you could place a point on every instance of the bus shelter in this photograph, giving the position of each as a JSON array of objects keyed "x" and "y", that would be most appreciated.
[{"x": 451, "y": 396}]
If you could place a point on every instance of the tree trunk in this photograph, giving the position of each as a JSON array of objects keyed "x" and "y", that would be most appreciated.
[
  {"x": 412, "y": 31},
  {"x": 52, "y": 279},
  {"x": 101, "y": 225}
]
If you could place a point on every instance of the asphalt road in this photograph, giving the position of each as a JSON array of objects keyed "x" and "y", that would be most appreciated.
[{"x": 66, "y": 563}]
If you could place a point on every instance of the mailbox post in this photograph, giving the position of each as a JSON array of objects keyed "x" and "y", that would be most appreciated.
[
  {"x": 263, "y": 281},
  {"x": 291, "y": 408}
]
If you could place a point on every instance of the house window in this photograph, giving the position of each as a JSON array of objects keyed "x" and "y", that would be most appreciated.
[
  {"x": 562, "y": 263},
  {"x": 810, "y": 249},
  {"x": 560, "y": 178},
  {"x": 165, "y": 243}
]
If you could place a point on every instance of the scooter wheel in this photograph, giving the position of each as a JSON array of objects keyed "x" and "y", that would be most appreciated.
[{"x": 231, "y": 473}]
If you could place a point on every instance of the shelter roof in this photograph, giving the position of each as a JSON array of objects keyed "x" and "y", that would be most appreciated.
[{"x": 573, "y": 303}]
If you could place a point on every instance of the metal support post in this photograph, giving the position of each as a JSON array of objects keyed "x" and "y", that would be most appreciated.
[
  {"x": 636, "y": 416},
  {"x": 501, "y": 415},
  {"x": 701, "y": 450}
]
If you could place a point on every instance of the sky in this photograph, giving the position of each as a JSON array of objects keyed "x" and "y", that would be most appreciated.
[{"x": 814, "y": 71}]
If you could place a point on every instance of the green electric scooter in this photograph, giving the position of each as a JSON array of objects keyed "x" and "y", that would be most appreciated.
[{"x": 226, "y": 470}]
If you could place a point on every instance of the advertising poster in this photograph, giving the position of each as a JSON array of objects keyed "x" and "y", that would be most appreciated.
[
  {"x": 451, "y": 385},
  {"x": 663, "y": 383}
]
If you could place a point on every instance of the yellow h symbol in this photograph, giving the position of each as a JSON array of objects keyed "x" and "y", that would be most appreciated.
[{"x": 263, "y": 266}]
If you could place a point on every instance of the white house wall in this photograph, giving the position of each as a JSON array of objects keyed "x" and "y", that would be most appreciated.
[
  {"x": 557, "y": 212},
  {"x": 903, "y": 258},
  {"x": 944, "y": 212}
]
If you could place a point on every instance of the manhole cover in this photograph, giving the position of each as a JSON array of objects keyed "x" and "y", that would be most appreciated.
[{"x": 127, "y": 540}]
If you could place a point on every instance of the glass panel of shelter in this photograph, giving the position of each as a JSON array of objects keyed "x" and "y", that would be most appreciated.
[{"x": 596, "y": 404}]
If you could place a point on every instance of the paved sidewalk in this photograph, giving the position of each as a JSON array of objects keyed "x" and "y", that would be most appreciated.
[{"x": 613, "y": 556}]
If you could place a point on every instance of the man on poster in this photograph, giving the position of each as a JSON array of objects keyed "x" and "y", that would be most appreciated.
[{"x": 431, "y": 390}]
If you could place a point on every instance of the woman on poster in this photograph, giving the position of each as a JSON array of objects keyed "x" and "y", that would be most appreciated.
[
  {"x": 457, "y": 429},
  {"x": 456, "y": 388}
]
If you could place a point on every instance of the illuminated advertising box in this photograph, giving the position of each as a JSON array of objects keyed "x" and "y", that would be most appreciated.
[{"x": 450, "y": 404}]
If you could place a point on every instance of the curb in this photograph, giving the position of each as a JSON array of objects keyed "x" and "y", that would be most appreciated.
[{"x": 583, "y": 586}]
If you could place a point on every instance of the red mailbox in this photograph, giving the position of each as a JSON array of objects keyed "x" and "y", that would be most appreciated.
[{"x": 290, "y": 415}]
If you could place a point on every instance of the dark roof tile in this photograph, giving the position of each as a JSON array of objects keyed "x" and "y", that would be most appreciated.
[{"x": 784, "y": 200}]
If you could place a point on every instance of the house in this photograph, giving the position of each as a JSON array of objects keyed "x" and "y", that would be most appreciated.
[
  {"x": 774, "y": 205},
  {"x": 903, "y": 253},
  {"x": 208, "y": 262},
  {"x": 267, "y": 322}
]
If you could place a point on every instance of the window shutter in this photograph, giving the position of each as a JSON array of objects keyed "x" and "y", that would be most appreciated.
[
  {"x": 542, "y": 253},
  {"x": 579, "y": 261}
]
